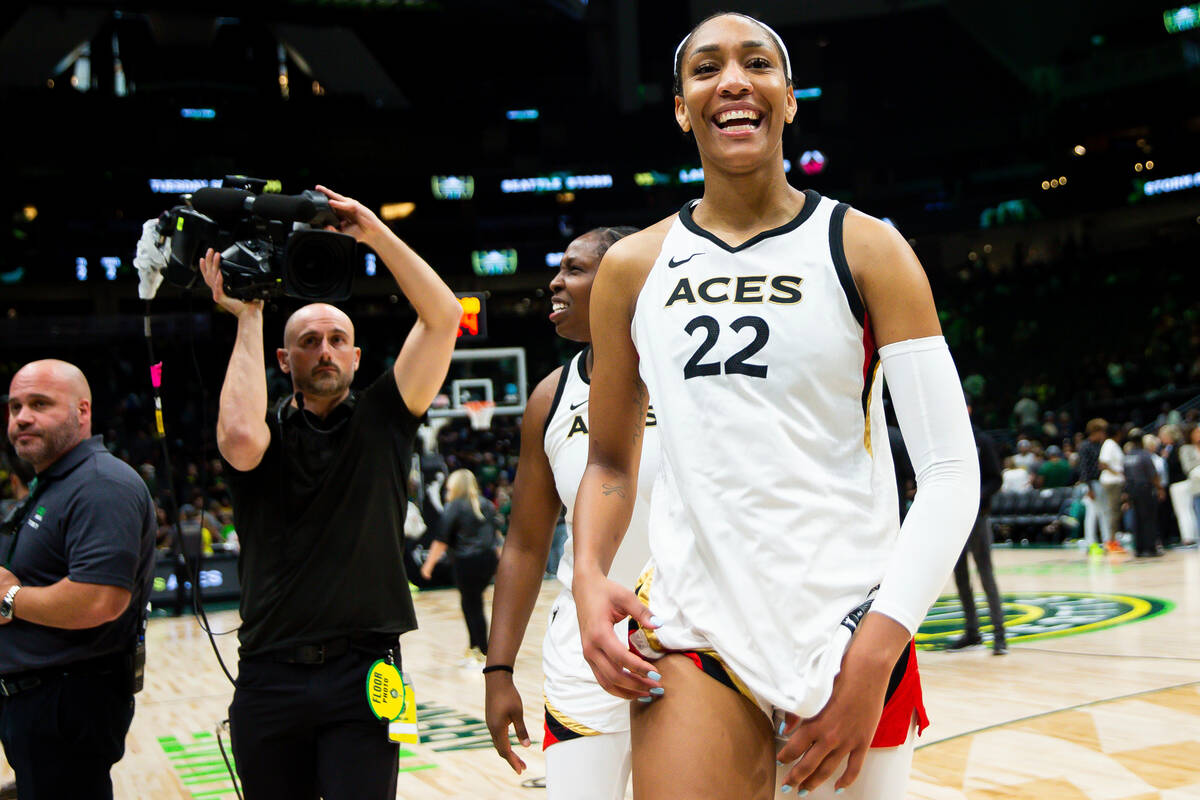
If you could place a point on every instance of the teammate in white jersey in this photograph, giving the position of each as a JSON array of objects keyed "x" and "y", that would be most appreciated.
[
  {"x": 758, "y": 318},
  {"x": 586, "y": 735}
]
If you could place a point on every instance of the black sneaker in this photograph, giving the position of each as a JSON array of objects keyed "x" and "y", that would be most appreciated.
[
  {"x": 1000, "y": 649},
  {"x": 965, "y": 643}
]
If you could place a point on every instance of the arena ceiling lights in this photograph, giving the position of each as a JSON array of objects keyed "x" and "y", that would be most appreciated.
[
  {"x": 453, "y": 187},
  {"x": 494, "y": 262},
  {"x": 1184, "y": 18}
]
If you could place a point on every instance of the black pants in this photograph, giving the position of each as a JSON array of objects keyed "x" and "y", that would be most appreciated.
[
  {"x": 302, "y": 731},
  {"x": 472, "y": 575},
  {"x": 63, "y": 736},
  {"x": 979, "y": 545},
  {"x": 1145, "y": 512}
]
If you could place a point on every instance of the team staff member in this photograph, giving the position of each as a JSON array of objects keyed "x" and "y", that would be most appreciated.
[
  {"x": 76, "y": 577},
  {"x": 320, "y": 491}
]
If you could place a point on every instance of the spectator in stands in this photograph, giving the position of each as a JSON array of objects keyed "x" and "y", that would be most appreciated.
[
  {"x": 1026, "y": 458},
  {"x": 1189, "y": 460},
  {"x": 1168, "y": 529},
  {"x": 1054, "y": 471},
  {"x": 1144, "y": 488},
  {"x": 1026, "y": 411},
  {"x": 1066, "y": 426},
  {"x": 1088, "y": 470},
  {"x": 20, "y": 473},
  {"x": 1050, "y": 431},
  {"x": 1015, "y": 479},
  {"x": 1178, "y": 487},
  {"x": 1111, "y": 483}
]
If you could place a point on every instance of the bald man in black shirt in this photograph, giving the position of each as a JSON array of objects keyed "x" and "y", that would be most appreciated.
[{"x": 319, "y": 488}]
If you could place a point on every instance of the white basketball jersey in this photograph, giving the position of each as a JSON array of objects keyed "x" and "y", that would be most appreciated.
[
  {"x": 775, "y": 509},
  {"x": 566, "y": 443}
]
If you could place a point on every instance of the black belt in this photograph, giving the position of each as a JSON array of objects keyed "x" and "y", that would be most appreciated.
[
  {"x": 17, "y": 682},
  {"x": 325, "y": 651}
]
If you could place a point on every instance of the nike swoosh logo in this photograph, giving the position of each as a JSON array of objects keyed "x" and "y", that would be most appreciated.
[
  {"x": 577, "y": 405},
  {"x": 672, "y": 263}
]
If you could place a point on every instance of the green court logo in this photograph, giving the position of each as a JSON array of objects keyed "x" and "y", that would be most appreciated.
[{"x": 1029, "y": 616}]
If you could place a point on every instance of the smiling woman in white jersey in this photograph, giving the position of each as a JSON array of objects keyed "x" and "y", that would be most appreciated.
[
  {"x": 586, "y": 735},
  {"x": 762, "y": 320}
]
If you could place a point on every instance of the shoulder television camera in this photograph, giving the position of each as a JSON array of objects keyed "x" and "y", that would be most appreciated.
[{"x": 270, "y": 244}]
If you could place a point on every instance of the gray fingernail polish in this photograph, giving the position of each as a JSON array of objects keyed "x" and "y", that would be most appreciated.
[
  {"x": 645, "y": 699},
  {"x": 839, "y": 791},
  {"x": 654, "y": 676},
  {"x": 782, "y": 728},
  {"x": 786, "y": 789},
  {"x": 802, "y": 793},
  {"x": 657, "y": 690},
  {"x": 656, "y": 621}
]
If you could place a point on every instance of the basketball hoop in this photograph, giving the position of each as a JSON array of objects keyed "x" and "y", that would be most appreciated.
[{"x": 480, "y": 413}]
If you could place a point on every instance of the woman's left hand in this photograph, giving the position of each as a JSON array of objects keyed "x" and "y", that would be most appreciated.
[{"x": 843, "y": 729}]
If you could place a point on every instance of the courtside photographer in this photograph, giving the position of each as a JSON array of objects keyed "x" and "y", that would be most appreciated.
[{"x": 319, "y": 486}]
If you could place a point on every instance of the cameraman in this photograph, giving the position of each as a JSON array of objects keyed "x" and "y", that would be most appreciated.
[{"x": 319, "y": 486}]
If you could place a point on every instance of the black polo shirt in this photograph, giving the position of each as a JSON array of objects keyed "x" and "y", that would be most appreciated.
[
  {"x": 93, "y": 522},
  {"x": 321, "y": 524}
]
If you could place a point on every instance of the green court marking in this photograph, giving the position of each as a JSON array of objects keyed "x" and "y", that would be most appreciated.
[
  {"x": 197, "y": 761},
  {"x": 198, "y": 764},
  {"x": 1030, "y": 616}
]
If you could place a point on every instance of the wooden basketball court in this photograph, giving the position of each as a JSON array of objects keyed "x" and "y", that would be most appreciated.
[{"x": 1111, "y": 712}]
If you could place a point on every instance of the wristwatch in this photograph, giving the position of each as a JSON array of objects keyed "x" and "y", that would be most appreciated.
[{"x": 6, "y": 605}]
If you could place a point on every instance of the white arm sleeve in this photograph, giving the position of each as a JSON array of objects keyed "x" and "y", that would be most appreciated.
[{"x": 929, "y": 404}]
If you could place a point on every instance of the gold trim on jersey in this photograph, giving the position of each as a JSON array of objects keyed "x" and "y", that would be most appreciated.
[
  {"x": 567, "y": 722},
  {"x": 643, "y": 593},
  {"x": 867, "y": 420}
]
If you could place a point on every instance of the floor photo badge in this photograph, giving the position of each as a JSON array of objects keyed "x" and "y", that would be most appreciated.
[{"x": 1029, "y": 616}]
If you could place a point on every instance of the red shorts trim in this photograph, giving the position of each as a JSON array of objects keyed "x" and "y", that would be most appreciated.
[{"x": 900, "y": 706}]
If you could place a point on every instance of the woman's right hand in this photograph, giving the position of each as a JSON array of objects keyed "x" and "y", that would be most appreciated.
[
  {"x": 210, "y": 268},
  {"x": 599, "y": 605},
  {"x": 503, "y": 708}
]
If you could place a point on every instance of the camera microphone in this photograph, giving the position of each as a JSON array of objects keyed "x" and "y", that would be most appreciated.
[
  {"x": 221, "y": 204},
  {"x": 289, "y": 208},
  {"x": 231, "y": 205}
]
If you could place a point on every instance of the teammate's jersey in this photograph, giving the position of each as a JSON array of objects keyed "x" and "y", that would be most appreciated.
[
  {"x": 575, "y": 703},
  {"x": 566, "y": 443},
  {"x": 775, "y": 509}
]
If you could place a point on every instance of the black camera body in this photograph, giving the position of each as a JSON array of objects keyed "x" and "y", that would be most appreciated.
[{"x": 270, "y": 244}]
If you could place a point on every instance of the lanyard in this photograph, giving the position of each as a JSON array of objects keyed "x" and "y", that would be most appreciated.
[{"x": 16, "y": 518}]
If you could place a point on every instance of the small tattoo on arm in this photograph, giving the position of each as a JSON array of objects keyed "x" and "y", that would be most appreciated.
[
  {"x": 639, "y": 397},
  {"x": 618, "y": 490}
]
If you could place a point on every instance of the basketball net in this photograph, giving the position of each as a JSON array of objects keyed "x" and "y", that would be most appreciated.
[{"x": 480, "y": 413}]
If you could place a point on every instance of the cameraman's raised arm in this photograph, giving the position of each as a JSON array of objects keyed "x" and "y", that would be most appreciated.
[
  {"x": 424, "y": 359},
  {"x": 242, "y": 432}
]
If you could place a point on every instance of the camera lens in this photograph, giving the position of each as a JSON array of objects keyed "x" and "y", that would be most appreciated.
[
  {"x": 318, "y": 265},
  {"x": 312, "y": 264}
]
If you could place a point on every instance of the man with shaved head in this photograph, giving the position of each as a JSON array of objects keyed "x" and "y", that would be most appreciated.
[
  {"x": 319, "y": 484},
  {"x": 78, "y": 558}
]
